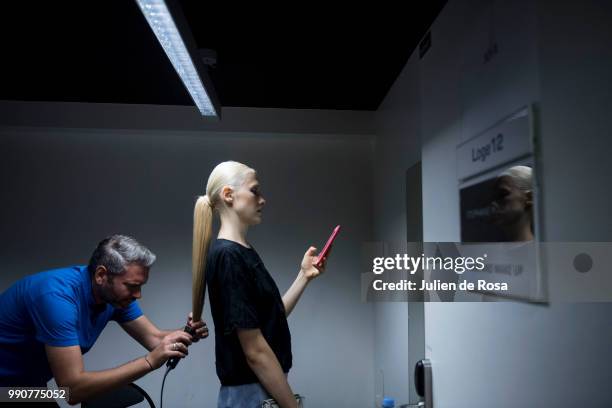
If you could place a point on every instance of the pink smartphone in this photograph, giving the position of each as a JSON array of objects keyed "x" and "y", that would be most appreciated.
[{"x": 328, "y": 245}]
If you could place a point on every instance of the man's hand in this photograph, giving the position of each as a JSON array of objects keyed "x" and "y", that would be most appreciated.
[
  {"x": 172, "y": 345},
  {"x": 200, "y": 328}
]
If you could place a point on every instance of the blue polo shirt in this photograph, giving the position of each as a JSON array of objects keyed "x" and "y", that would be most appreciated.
[{"x": 57, "y": 308}]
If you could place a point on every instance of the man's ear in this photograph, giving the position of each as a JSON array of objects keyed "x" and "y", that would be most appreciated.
[
  {"x": 529, "y": 199},
  {"x": 100, "y": 275},
  {"x": 227, "y": 195}
]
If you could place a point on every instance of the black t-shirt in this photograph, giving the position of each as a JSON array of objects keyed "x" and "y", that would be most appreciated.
[{"x": 243, "y": 295}]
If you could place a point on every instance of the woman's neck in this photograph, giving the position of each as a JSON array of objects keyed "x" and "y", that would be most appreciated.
[{"x": 233, "y": 230}]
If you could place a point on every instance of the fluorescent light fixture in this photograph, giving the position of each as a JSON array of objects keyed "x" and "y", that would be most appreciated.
[{"x": 161, "y": 21}]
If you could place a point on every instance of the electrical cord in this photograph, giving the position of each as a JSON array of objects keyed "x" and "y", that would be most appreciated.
[
  {"x": 170, "y": 365},
  {"x": 161, "y": 396}
]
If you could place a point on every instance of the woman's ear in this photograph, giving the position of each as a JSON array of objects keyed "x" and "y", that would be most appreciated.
[{"x": 227, "y": 195}]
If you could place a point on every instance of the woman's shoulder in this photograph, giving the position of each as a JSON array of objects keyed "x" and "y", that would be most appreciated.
[
  {"x": 224, "y": 246},
  {"x": 223, "y": 249},
  {"x": 228, "y": 261},
  {"x": 220, "y": 248}
]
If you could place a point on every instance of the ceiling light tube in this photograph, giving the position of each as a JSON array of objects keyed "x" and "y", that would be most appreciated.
[{"x": 163, "y": 22}]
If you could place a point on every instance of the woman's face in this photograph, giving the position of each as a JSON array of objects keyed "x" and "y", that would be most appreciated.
[{"x": 248, "y": 201}]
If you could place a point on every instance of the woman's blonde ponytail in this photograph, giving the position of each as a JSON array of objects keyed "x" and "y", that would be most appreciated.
[{"x": 202, "y": 231}]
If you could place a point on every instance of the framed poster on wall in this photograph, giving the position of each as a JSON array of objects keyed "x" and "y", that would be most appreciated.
[{"x": 499, "y": 206}]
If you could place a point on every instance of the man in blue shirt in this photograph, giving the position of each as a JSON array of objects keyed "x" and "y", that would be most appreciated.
[{"x": 50, "y": 319}]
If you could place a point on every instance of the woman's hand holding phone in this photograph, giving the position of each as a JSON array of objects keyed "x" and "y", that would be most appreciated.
[{"x": 313, "y": 265}]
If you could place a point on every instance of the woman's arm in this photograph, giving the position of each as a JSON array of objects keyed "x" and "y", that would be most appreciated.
[
  {"x": 308, "y": 271},
  {"x": 291, "y": 297},
  {"x": 262, "y": 360}
]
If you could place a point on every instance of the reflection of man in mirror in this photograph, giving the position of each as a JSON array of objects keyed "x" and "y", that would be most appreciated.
[{"x": 512, "y": 205}]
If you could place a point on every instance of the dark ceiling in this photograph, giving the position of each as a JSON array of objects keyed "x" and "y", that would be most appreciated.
[{"x": 291, "y": 56}]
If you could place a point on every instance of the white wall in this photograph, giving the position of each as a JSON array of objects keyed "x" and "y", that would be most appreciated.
[
  {"x": 556, "y": 54},
  {"x": 65, "y": 188}
]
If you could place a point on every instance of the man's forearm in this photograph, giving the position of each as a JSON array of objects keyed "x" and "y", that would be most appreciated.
[
  {"x": 91, "y": 383},
  {"x": 158, "y": 337}
]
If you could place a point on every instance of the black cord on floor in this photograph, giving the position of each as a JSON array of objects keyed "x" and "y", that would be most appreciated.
[{"x": 161, "y": 397}]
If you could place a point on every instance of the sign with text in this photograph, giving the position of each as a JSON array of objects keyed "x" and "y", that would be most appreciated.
[{"x": 504, "y": 142}]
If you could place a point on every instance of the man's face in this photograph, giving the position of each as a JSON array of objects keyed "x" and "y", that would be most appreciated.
[
  {"x": 510, "y": 202},
  {"x": 121, "y": 290}
]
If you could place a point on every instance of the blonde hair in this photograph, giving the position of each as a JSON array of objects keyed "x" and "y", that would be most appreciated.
[{"x": 229, "y": 173}]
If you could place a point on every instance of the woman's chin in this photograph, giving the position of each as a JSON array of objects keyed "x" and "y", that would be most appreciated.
[{"x": 252, "y": 219}]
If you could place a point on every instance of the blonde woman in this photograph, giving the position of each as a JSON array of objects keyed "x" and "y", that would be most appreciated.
[{"x": 252, "y": 339}]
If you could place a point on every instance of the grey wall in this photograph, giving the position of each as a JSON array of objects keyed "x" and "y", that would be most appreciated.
[
  {"x": 397, "y": 149},
  {"x": 556, "y": 54},
  {"x": 484, "y": 354},
  {"x": 66, "y": 188}
]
